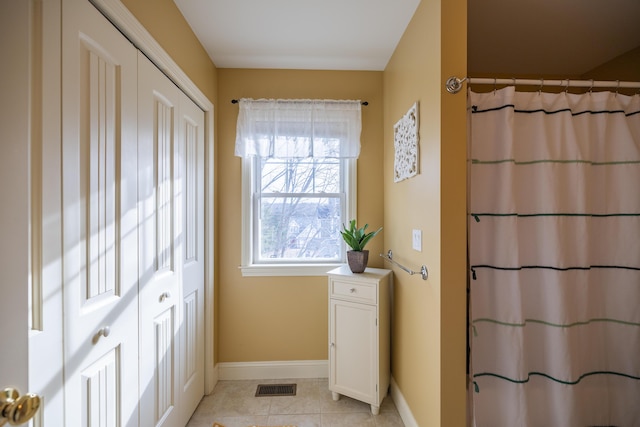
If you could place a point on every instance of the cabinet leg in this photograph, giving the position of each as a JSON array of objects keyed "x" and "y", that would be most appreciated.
[
  {"x": 375, "y": 410},
  {"x": 335, "y": 396}
]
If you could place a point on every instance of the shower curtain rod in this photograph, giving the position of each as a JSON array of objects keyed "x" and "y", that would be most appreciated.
[{"x": 454, "y": 84}]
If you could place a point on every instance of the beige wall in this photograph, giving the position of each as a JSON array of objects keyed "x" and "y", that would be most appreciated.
[
  {"x": 453, "y": 211},
  {"x": 429, "y": 338},
  {"x": 285, "y": 318},
  {"x": 625, "y": 67}
]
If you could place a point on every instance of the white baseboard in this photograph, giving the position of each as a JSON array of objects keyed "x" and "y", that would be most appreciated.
[
  {"x": 213, "y": 380},
  {"x": 402, "y": 406},
  {"x": 273, "y": 370}
]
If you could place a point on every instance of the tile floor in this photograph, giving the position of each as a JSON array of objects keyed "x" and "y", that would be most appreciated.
[{"x": 233, "y": 404}]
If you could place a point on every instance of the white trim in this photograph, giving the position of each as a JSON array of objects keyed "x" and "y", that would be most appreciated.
[
  {"x": 210, "y": 374},
  {"x": 352, "y": 188},
  {"x": 259, "y": 270},
  {"x": 216, "y": 375},
  {"x": 127, "y": 23},
  {"x": 247, "y": 214},
  {"x": 273, "y": 370},
  {"x": 402, "y": 406}
]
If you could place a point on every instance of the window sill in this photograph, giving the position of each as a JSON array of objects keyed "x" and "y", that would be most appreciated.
[{"x": 287, "y": 270}]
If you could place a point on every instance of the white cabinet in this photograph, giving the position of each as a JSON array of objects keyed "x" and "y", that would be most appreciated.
[{"x": 359, "y": 334}]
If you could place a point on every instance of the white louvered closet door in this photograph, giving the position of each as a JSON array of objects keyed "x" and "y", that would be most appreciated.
[
  {"x": 170, "y": 191},
  {"x": 133, "y": 190},
  {"x": 99, "y": 204}
]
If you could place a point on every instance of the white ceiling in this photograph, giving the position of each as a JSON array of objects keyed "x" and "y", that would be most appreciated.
[
  {"x": 536, "y": 37},
  {"x": 299, "y": 34}
]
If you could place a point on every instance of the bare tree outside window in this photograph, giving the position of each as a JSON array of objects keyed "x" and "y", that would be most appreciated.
[{"x": 300, "y": 209}]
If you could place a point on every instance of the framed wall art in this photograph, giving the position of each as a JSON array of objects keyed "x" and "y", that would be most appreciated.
[{"x": 405, "y": 144}]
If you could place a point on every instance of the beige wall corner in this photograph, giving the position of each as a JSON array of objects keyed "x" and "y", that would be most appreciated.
[
  {"x": 453, "y": 245},
  {"x": 429, "y": 333}
]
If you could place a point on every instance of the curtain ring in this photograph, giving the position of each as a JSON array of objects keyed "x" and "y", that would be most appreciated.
[
  {"x": 541, "y": 85},
  {"x": 591, "y": 87},
  {"x": 617, "y": 87},
  {"x": 494, "y": 86},
  {"x": 566, "y": 89}
]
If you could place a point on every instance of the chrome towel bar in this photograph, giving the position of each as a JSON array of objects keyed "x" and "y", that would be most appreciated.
[{"x": 423, "y": 270}]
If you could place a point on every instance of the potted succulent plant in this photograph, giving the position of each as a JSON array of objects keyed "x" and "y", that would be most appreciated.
[{"x": 357, "y": 238}]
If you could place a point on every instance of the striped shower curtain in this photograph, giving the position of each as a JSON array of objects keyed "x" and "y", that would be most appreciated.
[{"x": 554, "y": 252}]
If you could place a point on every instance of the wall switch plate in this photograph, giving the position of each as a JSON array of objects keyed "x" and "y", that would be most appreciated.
[{"x": 416, "y": 240}]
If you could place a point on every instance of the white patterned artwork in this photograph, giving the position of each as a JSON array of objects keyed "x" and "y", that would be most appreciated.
[{"x": 405, "y": 143}]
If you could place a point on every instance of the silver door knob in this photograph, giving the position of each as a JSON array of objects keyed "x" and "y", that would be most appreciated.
[
  {"x": 16, "y": 409},
  {"x": 165, "y": 295}
]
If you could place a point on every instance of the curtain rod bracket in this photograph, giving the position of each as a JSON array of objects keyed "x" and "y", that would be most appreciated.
[{"x": 454, "y": 84}]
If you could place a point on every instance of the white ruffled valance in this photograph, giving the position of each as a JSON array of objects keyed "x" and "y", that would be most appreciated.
[{"x": 285, "y": 128}]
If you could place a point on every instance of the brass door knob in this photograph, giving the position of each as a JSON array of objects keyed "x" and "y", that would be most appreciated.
[{"x": 16, "y": 409}]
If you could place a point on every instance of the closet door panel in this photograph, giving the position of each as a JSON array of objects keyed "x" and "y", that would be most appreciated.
[
  {"x": 161, "y": 246},
  {"x": 99, "y": 179},
  {"x": 192, "y": 330}
]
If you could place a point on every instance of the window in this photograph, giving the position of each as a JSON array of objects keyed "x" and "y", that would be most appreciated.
[{"x": 299, "y": 163}]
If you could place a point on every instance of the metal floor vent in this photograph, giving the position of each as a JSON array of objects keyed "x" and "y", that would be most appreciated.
[{"x": 276, "y": 390}]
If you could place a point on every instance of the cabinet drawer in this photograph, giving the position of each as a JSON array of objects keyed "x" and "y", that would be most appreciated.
[{"x": 351, "y": 291}]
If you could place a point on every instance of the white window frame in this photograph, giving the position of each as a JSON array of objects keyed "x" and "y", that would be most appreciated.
[{"x": 251, "y": 268}]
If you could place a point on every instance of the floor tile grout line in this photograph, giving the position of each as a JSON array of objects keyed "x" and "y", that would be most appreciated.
[{"x": 315, "y": 392}]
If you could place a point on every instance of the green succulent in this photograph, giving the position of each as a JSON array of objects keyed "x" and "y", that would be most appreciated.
[{"x": 356, "y": 238}]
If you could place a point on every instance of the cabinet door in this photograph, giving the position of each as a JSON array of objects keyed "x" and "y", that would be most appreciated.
[{"x": 353, "y": 350}]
